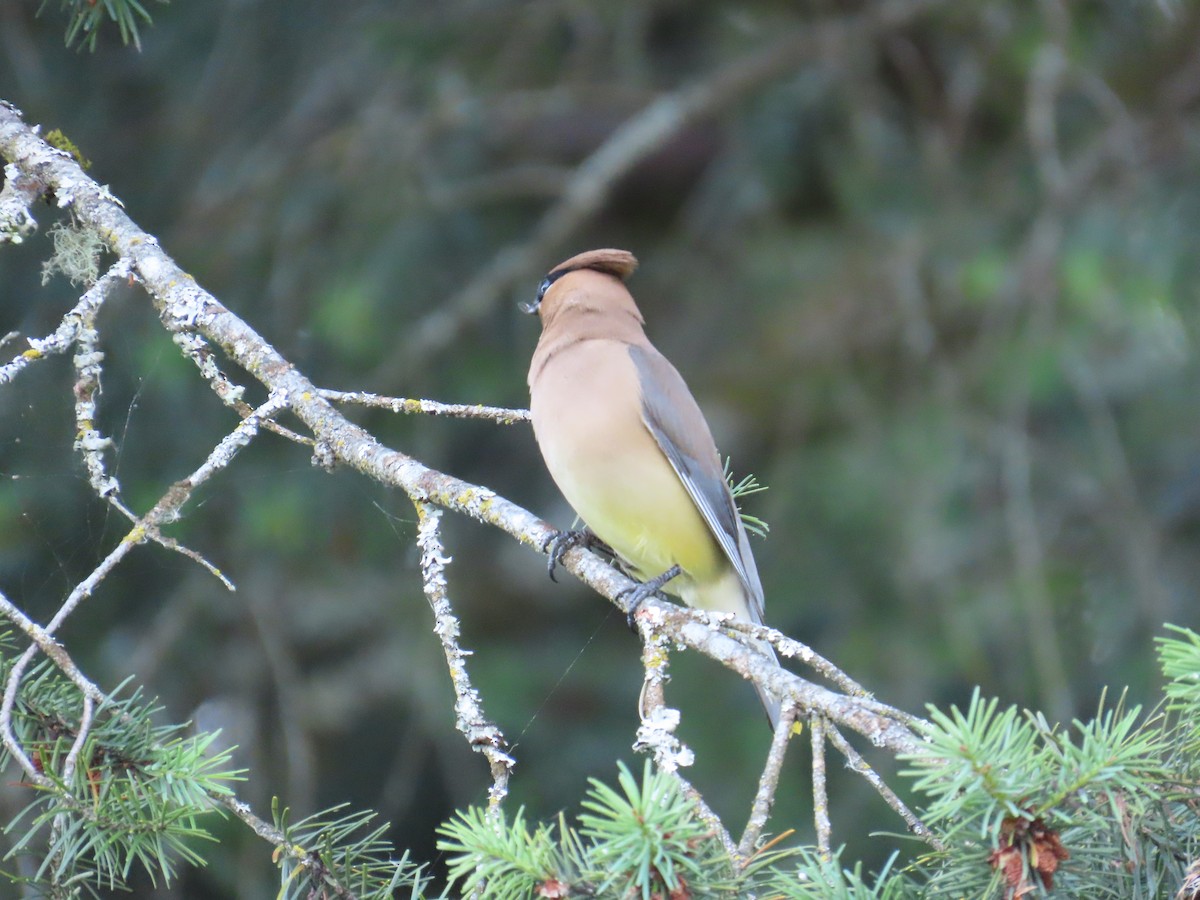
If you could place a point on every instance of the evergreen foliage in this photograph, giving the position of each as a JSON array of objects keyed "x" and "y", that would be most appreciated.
[
  {"x": 339, "y": 849},
  {"x": 642, "y": 841},
  {"x": 86, "y": 17},
  {"x": 1103, "y": 808},
  {"x": 137, "y": 798},
  {"x": 744, "y": 488}
]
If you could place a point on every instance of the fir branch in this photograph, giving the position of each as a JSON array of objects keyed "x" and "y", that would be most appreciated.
[
  {"x": 642, "y": 840},
  {"x": 744, "y": 488},
  {"x": 85, "y": 18},
  {"x": 1018, "y": 802},
  {"x": 644, "y": 836},
  {"x": 1179, "y": 658},
  {"x": 818, "y": 877},
  {"x": 342, "y": 854},
  {"x": 113, "y": 790},
  {"x": 509, "y": 860}
]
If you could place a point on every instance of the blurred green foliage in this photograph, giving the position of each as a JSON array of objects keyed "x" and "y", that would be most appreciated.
[{"x": 935, "y": 285}]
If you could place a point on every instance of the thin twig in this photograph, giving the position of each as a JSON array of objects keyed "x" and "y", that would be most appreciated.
[
  {"x": 197, "y": 349},
  {"x": 64, "y": 336},
  {"x": 856, "y": 763},
  {"x": 145, "y": 528},
  {"x": 706, "y": 815},
  {"x": 78, "y": 328},
  {"x": 168, "y": 507},
  {"x": 54, "y": 650},
  {"x": 483, "y": 736},
  {"x": 789, "y": 648},
  {"x": 768, "y": 783},
  {"x": 90, "y": 443},
  {"x": 258, "y": 825},
  {"x": 306, "y": 858},
  {"x": 883, "y": 726},
  {"x": 657, "y": 721},
  {"x": 82, "y": 590},
  {"x": 42, "y": 640},
  {"x": 656, "y": 656},
  {"x": 85, "y": 728},
  {"x": 428, "y": 407},
  {"x": 816, "y": 725}
]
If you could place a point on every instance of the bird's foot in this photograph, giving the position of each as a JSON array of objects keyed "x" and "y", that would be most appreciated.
[
  {"x": 635, "y": 596},
  {"x": 557, "y": 547}
]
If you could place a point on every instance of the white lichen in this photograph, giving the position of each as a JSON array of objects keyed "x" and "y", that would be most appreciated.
[{"x": 76, "y": 255}]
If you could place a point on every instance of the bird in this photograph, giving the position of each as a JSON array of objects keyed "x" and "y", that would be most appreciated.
[{"x": 627, "y": 445}]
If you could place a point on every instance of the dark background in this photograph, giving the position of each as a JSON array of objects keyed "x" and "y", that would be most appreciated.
[{"x": 934, "y": 284}]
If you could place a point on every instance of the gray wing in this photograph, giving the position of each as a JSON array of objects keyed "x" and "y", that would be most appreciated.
[{"x": 673, "y": 418}]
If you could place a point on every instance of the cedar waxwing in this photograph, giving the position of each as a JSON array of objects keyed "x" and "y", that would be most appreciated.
[{"x": 629, "y": 448}]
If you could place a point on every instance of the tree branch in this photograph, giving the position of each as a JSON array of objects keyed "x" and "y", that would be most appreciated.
[
  {"x": 197, "y": 320},
  {"x": 483, "y": 736}
]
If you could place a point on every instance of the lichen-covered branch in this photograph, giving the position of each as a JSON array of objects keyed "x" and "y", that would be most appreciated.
[
  {"x": 198, "y": 350},
  {"x": 18, "y": 194},
  {"x": 145, "y": 528},
  {"x": 44, "y": 641},
  {"x": 856, "y": 713},
  {"x": 200, "y": 324},
  {"x": 65, "y": 336},
  {"x": 856, "y": 763},
  {"x": 658, "y": 721},
  {"x": 768, "y": 782},
  {"x": 484, "y": 736},
  {"x": 816, "y": 729},
  {"x": 90, "y": 443},
  {"x": 500, "y": 414}
]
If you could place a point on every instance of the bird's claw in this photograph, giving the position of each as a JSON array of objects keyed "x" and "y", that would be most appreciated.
[
  {"x": 635, "y": 596},
  {"x": 556, "y": 548}
]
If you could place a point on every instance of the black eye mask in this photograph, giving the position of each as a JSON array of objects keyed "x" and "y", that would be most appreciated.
[{"x": 542, "y": 288}]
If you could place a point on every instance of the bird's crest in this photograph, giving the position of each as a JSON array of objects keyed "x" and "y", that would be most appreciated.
[{"x": 620, "y": 263}]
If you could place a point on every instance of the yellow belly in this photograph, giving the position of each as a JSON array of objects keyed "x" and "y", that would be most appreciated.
[{"x": 587, "y": 420}]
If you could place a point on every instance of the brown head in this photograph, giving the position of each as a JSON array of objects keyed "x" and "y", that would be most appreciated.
[{"x": 588, "y": 291}]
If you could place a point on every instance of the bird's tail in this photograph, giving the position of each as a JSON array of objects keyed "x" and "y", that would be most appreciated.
[{"x": 726, "y": 594}]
